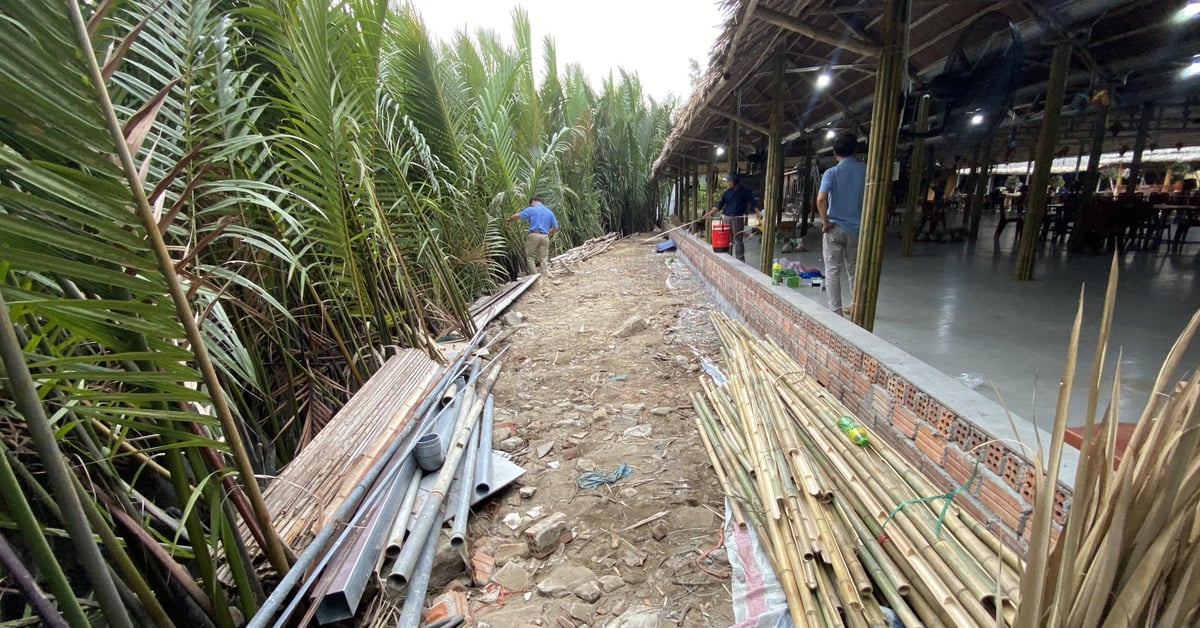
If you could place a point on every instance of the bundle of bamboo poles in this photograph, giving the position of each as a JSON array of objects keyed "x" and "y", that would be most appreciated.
[
  {"x": 1129, "y": 554},
  {"x": 847, "y": 528},
  {"x": 585, "y": 251}
]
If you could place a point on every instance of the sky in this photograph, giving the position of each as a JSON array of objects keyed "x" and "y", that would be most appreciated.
[{"x": 654, "y": 38}]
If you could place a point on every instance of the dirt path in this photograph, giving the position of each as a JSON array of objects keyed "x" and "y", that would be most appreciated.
[{"x": 575, "y": 397}]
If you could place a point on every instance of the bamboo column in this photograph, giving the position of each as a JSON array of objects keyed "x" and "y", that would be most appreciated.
[
  {"x": 694, "y": 198},
  {"x": 1139, "y": 147},
  {"x": 916, "y": 177},
  {"x": 1047, "y": 142},
  {"x": 804, "y": 180},
  {"x": 885, "y": 124},
  {"x": 1092, "y": 175},
  {"x": 979, "y": 190},
  {"x": 734, "y": 135},
  {"x": 773, "y": 181}
]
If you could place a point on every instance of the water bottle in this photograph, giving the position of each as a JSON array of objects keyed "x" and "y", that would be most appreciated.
[
  {"x": 856, "y": 434},
  {"x": 776, "y": 272}
]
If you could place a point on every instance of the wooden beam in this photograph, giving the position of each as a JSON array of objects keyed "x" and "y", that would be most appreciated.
[
  {"x": 787, "y": 22},
  {"x": 740, "y": 120}
]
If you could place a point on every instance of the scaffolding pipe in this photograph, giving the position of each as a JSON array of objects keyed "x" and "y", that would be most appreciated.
[
  {"x": 400, "y": 526},
  {"x": 414, "y": 601},
  {"x": 483, "y": 461},
  {"x": 466, "y": 486},
  {"x": 430, "y": 511},
  {"x": 352, "y": 501}
]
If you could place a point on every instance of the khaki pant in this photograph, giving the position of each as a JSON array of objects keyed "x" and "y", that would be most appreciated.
[
  {"x": 537, "y": 245},
  {"x": 840, "y": 250}
]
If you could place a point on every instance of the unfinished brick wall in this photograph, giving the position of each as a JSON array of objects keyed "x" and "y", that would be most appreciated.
[{"x": 897, "y": 406}]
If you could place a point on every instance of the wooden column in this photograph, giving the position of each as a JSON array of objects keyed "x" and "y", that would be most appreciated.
[
  {"x": 1139, "y": 147},
  {"x": 885, "y": 124},
  {"x": 1047, "y": 142},
  {"x": 694, "y": 196},
  {"x": 979, "y": 189},
  {"x": 804, "y": 180},
  {"x": 732, "y": 151},
  {"x": 773, "y": 179},
  {"x": 916, "y": 177},
  {"x": 1091, "y": 178}
]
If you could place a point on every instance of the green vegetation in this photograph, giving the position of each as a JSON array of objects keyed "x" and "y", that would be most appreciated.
[{"x": 305, "y": 184}]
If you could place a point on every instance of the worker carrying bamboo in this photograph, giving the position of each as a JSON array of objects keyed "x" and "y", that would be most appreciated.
[
  {"x": 839, "y": 203},
  {"x": 542, "y": 225},
  {"x": 737, "y": 201}
]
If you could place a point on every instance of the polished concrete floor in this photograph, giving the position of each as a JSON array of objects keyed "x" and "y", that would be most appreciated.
[{"x": 957, "y": 307}]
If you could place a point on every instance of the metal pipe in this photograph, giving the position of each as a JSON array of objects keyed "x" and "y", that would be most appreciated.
[
  {"x": 483, "y": 461},
  {"x": 400, "y": 526},
  {"x": 349, "y": 581},
  {"x": 320, "y": 543},
  {"x": 466, "y": 490},
  {"x": 414, "y": 601},
  {"x": 430, "y": 512}
]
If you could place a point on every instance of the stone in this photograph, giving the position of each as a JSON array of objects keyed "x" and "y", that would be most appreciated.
[
  {"x": 572, "y": 416},
  {"x": 588, "y": 591},
  {"x": 611, "y": 583},
  {"x": 585, "y": 465},
  {"x": 582, "y": 612},
  {"x": 544, "y": 449},
  {"x": 634, "y": 576},
  {"x": 658, "y": 531},
  {"x": 512, "y": 577},
  {"x": 632, "y": 409},
  {"x": 662, "y": 411},
  {"x": 634, "y": 559},
  {"x": 513, "y": 319},
  {"x": 511, "y": 444},
  {"x": 563, "y": 580},
  {"x": 628, "y": 492},
  {"x": 501, "y": 434},
  {"x": 599, "y": 414},
  {"x": 681, "y": 360},
  {"x": 632, "y": 326},
  {"x": 639, "y": 616},
  {"x": 507, "y": 552},
  {"x": 547, "y": 535},
  {"x": 527, "y": 491}
]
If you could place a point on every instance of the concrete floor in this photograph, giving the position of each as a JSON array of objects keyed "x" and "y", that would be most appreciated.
[{"x": 958, "y": 308}]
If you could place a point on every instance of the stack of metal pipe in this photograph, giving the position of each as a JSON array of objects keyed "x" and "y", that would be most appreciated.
[
  {"x": 388, "y": 527},
  {"x": 849, "y": 529}
]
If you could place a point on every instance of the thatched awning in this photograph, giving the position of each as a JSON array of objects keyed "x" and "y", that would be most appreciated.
[{"x": 1136, "y": 47}]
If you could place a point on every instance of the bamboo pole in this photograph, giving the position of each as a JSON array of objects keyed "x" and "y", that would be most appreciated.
[
  {"x": 885, "y": 123},
  {"x": 773, "y": 181},
  {"x": 1047, "y": 143},
  {"x": 916, "y": 176}
]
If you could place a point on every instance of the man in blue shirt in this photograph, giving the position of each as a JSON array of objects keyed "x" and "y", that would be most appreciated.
[
  {"x": 542, "y": 224},
  {"x": 839, "y": 203},
  {"x": 736, "y": 202}
]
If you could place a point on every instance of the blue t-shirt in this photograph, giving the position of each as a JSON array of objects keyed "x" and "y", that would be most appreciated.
[
  {"x": 541, "y": 218},
  {"x": 845, "y": 184},
  {"x": 737, "y": 201}
]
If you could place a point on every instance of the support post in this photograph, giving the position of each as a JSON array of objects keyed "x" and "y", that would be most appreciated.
[
  {"x": 734, "y": 135},
  {"x": 916, "y": 177},
  {"x": 885, "y": 124},
  {"x": 804, "y": 179},
  {"x": 773, "y": 179},
  {"x": 1139, "y": 147},
  {"x": 979, "y": 190},
  {"x": 1047, "y": 142}
]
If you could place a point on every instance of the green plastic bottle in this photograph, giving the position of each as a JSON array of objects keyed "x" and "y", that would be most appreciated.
[
  {"x": 776, "y": 272},
  {"x": 856, "y": 434}
]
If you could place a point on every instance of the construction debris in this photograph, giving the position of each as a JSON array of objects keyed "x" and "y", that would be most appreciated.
[{"x": 587, "y": 250}]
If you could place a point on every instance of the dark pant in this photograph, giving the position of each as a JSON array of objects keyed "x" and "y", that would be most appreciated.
[{"x": 737, "y": 228}]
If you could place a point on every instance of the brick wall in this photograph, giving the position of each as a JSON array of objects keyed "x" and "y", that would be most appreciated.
[{"x": 932, "y": 420}]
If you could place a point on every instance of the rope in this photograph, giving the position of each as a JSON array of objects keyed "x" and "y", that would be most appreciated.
[
  {"x": 949, "y": 497},
  {"x": 593, "y": 479}
]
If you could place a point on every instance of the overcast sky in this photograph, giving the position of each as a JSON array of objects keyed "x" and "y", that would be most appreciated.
[{"x": 654, "y": 38}]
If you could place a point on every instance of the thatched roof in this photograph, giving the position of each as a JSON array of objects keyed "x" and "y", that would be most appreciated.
[{"x": 1135, "y": 47}]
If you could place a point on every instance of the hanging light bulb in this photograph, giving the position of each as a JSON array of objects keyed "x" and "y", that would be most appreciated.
[
  {"x": 825, "y": 79},
  {"x": 1194, "y": 68},
  {"x": 720, "y": 150},
  {"x": 1192, "y": 8},
  {"x": 977, "y": 119},
  {"x": 830, "y": 134}
]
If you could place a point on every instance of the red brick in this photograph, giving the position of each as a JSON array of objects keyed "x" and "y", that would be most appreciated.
[
  {"x": 931, "y": 444},
  {"x": 1014, "y": 468},
  {"x": 904, "y": 421},
  {"x": 862, "y": 385},
  {"x": 1002, "y": 502},
  {"x": 448, "y": 604},
  {"x": 1062, "y": 506},
  {"x": 960, "y": 467},
  {"x": 895, "y": 387},
  {"x": 994, "y": 458},
  {"x": 870, "y": 366},
  {"x": 968, "y": 436}
]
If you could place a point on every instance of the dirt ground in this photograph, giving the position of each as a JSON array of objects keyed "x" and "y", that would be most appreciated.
[{"x": 576, "y": 396}]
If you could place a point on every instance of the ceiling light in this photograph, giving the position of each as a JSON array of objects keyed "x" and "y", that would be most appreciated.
[
  {"x": 825, "y": 79},
  {"x": 720, "y": 151},
  {"x": 1192, "y": 8},
  {"x": 1194, "y": 68},
  {"x": 830, "y": 134},
  {"x": 977, "y": 119}
]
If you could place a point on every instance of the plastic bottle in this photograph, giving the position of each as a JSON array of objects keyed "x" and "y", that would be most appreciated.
[
  {"x": 856, "y": 434},
  {"x": 776, "y": 272}
]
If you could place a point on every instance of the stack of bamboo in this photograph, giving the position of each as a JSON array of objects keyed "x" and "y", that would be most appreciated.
[
  {"x": 584, "y": 251},
  {"x": 843, "y": 525}
]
